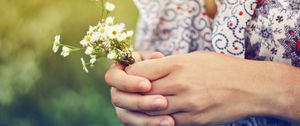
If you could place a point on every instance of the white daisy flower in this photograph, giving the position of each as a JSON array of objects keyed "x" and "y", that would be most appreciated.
[
  {"x": 89, "y": 50},
  {"x": 95, "y": 37},
  {"x": 99, "y": 24},
  {"x": 109, "y": 6},
  {"x": 122, "y": 37},
  {"x": 84, "y": 65},
  {"x": 93, "y": 59},
  {"x": 111, "y": 55},
  {"x": 121, "y": 26},
  {"x": 109, "y": 21},
  {"x": 102, "y": 30},
  {"x": 91, "y": 30},
  {"x": 65, "y": 51},
  {"x": 129, "y": 34},
  {"x": 114, "y": 31},
  {"x": 86, "y": 40},
  {"x": 56, "y": 43}
]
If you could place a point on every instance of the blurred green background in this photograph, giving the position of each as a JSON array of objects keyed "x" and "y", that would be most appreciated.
[{"x": 39, "y": 88}]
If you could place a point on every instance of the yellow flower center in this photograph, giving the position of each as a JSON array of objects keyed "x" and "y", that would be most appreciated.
[
  {"x": 110, "y": 24},
  {"x": 114, "y": 32},
  {"x": 87, "y": 38},
  {"x": 102, "y": 30}
]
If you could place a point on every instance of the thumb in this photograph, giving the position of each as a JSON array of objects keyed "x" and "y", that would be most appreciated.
[
  {"x": 154, "y": 55},
  {"x": 151, "y": 69},
  {"x": 141, "y": 56}
]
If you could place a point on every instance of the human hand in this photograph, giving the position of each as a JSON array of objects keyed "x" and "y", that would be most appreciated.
[
  {"x": 132, "y": 86},
  {"x": 205, "y": 88},
  {"x": 116, "y": 76}
]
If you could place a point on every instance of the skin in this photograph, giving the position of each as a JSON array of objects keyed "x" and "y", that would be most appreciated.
[
  {"x": 211, "y": 8},
  {"x": 187, "y": 94},
  {"x": 133, "y": 86}
]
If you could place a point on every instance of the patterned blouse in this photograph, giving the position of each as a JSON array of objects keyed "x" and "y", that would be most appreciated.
[{"x": 266, "y": 30}]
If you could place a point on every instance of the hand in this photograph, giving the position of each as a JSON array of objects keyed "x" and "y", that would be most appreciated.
[
  {"x": 132, "y": 86},
  {"x": 206, "y": 88}
]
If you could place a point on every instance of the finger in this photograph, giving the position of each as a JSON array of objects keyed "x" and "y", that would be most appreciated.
[
  {"x": 191, "y": 119},
  {"x": 118, "y": 78},
  {"x": 153, "y": 55},
  {"x": 151, "y": 69},
  {"x": 129, "y": 118},
  {"x": 137, "y": 56},
  {"x": 184, "y": 119},
  {"x": 141, "y": 56},
  {"x": 175, "y": 104},
  {"x": 137, "y": 102},
  {"x": 169, "y": 85}
]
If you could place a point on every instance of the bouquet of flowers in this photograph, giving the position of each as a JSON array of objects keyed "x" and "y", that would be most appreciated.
[{"x": 106, "y": 39}]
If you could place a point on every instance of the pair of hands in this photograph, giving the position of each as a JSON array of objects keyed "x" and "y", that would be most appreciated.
[{"x": 191, "y": 89}]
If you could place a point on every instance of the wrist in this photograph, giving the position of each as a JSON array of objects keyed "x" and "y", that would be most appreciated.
[
  {"x": 268, "y": 94},
  {"x": 281, "y": 97},
  {"x": 289, "y": 78}
]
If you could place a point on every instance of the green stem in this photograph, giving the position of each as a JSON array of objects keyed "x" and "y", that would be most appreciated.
[
  {"x": 107, "y": 14},
  {"x": 72, "y": 47},
  {"x": 74, "y": 50},
  {"x": 102, "y": 8}
]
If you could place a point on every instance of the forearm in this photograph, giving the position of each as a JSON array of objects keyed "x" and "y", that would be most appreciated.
[
  {"x": 290, "y": 78},
  {"x": 283, "y": 84}
]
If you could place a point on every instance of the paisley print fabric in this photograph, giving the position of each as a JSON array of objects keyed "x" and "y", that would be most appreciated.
[
  {"x": 276, "y": 28},
  {"x": 266, "y": 30},
  {"x": 230, "y": 26},
  {"x": 173, "y": 26}
]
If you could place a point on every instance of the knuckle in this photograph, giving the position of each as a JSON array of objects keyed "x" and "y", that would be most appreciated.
[
  {"x": 137, "y": 56},
  {"x": 141, "y": 105},
  {"x": 115, "y": 101},
  {"x": 181, "y": 85},
  {"x": 192, "y": 102},
  {"x": 118, "y": 113},
  {"x": 179, "y": 120},
  {"x": 135, "y": 68},
  {"x": 114, "y": 98},
  {"x": 107, "y": 77},
  {"x": 178, "y": 65},
  {"x": 130, "y": 69}
]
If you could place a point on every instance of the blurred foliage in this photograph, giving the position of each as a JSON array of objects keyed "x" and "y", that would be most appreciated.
[{"x": 39, "y": 88}]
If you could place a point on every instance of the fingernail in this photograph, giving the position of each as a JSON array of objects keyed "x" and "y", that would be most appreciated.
[
  {"x": 158, "y": 103},
  {"x": 165, "y": 123},
  {"x": 144, "y": 85}
]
